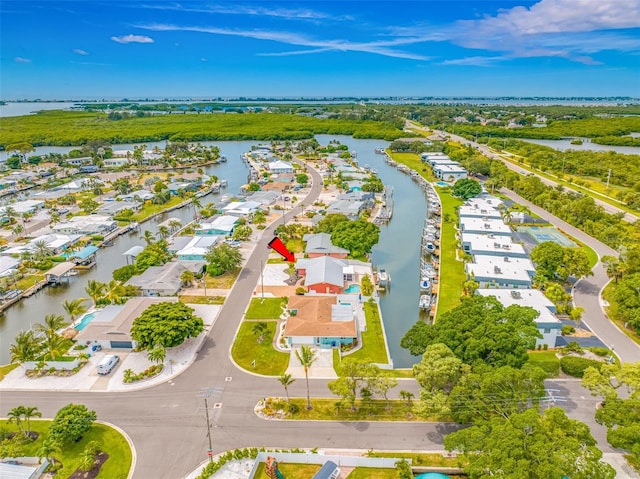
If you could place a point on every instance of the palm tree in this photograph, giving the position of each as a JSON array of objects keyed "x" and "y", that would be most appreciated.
[
  {"x": 175, "y": 225},
  {"x": 48, "y": 449},
  {"x": 74, "y": 308},
  {"x": 157, "y": 354},
  {"x": 259, "y": 329},
  {"x": 53, "y": 343},
  {"x": 286, "y": 380},
  {"x": 17, "y": 229},
  {"x": 115, "y": 292},
  {"x": 187, "y": 277},
  {"x": 163, "y": 231},
  {"x": 95, "y": 290},
  {"x": 195, "y": 202},
  {"x": 28, "y": 413},
  {"x": 615, "y": 269},
  {"x": 15, "y": 415},
  {"x": 87, "y": 460},
  {"x": 307, "y": 357},
  {"x": 147, "y": 237},
  {"x": 25, "y": 348}
]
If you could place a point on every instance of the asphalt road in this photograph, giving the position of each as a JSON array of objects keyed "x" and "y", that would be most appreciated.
[{"x": 609, "y": 208}]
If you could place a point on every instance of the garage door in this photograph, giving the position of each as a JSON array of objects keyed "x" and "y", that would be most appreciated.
[{"x": 121, "y": 345}]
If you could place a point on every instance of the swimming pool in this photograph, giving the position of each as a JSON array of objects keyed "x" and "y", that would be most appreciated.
[
  {"x": 442, "y": 183},
  {"x": 86, "y": 319},
  {"x": 353, "y": 288}
]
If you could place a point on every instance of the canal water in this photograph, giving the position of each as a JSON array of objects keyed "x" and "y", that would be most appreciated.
[{"x": 398, "y": 250}]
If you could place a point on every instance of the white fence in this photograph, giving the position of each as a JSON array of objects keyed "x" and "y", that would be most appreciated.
[{"x": 53, "y": 364}]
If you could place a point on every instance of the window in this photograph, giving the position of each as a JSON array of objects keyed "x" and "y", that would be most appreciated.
[{"x": 547, "y": 330}]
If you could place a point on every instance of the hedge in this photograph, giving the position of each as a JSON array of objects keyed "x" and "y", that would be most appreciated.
[{"x": 575, "y": 365}]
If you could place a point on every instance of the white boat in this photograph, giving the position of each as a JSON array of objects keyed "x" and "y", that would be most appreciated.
[
  {"x": 380, "y": 151},
  {"x": 425, "y": 283},
  {"x": 383, "y": 277},
  {"x": 424, "y": 302}
]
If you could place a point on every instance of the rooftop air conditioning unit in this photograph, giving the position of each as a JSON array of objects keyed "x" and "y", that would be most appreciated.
[
  {"x": 497, "y": 270},
  {"x": 515, "y": 294}
]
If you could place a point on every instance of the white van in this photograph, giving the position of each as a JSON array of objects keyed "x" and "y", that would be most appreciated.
[{"x": 108, "y": 363}]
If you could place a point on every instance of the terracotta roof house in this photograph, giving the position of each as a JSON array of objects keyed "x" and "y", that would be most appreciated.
[{"x": 320, "y": 320}]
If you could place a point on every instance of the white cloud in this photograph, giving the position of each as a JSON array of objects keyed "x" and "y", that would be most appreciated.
[
  {"x": 317, "y": 46},
  {"x": 203, "y": 59},
  {"x": 22, "y": 60},
  {"x": 238, "y": 9},
  {"x": 132, "y": 39},
  {"x": 79, "y": 51},
  {"x": 477, "y": 61}
]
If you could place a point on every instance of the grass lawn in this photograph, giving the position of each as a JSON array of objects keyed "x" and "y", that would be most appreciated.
[
  {"x": 452, "y": 273},
  {"x": 265, "y": 308},
  {"x": 111, "y": 442},
  {"x": 189, "y": 299},
  {"x": 28, "y": 281},
  {"x": 224, "y": 281},
  {"x": 247, "y": 349},
  {"x": 591, "y": 254},
  {"x": 546, "y": 360},
  {"x": 374, "y": 348},
  {"x": 295, "y": 245},
  {"x": 290, "y": 471},
  {"x": 413, "y": 161},
  {"x": 325, "y": 410},
  {"x": 420, "y": 458},
  {"x": 612, "y": 312},
  {"x": 373, "y": 473},
  {"x": 151, "y": 209},
  {"x": 6, "y": 369}
]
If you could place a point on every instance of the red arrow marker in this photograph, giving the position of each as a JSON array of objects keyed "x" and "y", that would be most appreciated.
[{"x": 278, "y": 246}]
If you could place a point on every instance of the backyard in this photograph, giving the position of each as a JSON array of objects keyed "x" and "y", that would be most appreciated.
[{"x": 374, "y": 346}]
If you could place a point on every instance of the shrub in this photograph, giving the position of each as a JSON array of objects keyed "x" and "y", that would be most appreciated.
[
  {"x": 300, "y": 290},
  {"x": 573, "y": 347},
  {"x": 575, "y": 365},
  {"x": 603, "y": 352},
  {"x": 568, "y": 329}
]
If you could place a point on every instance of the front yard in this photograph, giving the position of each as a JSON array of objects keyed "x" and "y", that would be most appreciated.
[{"x": 246, "y": 349}]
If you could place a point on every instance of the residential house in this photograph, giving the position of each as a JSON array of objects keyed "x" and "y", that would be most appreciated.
[
  {"x": 164, "y": 280},
  {"x": 197, "y": 248},
  {"x": 280, "y": 166},
  {"x": 485, "y": 225},
  {"x": 449, "y": 172},
  {"x": 320, "y": 245},
  {"x": 8, "y": 265},
  {"x": 322, "y": 274},
  {"x": 548, "y": 324},
  {"x": 496, "y": 272},
  {"x": 490, "y": 244},
  {"x": 222, "y": 225},
  {"x": 114, "y": 208},
  {"x": 116, "y": 162},
  {"x": 86, "y": 225},
  {"x": 351, "y": 209},
  {"x": 325, "y": 321},
  {"x": 57, "y": 243},
  {"x": 143, "y": 195},
  {"x": 241, "y": 208}
]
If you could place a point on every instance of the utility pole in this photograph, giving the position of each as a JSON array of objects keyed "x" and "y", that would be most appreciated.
[
  {"x": 206, "y": 409},
  {"x": 608, "y": 178}
]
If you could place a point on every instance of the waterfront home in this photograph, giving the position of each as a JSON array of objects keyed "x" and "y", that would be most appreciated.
[
  {"x": 8, "y": 265},
  {"x": 450, "y": 173},
  {"x": 222, "y": 225},
  {"x": 132, "y": 253},
  {"x": 481, "y": 207},
  {"x": 483, "y": 225},
  {"x": 116, "y": 162},
  {"x": 241, "y": 208},
  {"x": 322, "y": 274},
  {"x": 320, "y": 320},
  {"x": 493, "y": 245},
  {"x": 164, "y": 280},
  {"x": 320, "y": 245},
  {"x": 138, "y": 195},
  {"x": 176, "y": 187},
  {"x": 265, "y": 198},
  {"x": 280, "y": 166},
  {"x": 367, "y": 197},
  {"x": 57, "y": 243},
  {"x": 548, "y": 324},
  {"x": 86, "y": 160},
  {"x": 351, "y": 209},
  {"x": 110, "y": 326},
  {"x": 86, "y": 225},
  {"x": 429, "y": 156},
  {"x": 496, "y": 272},
  {"x": 193, "y": 248},
  {"x": 114, "y": 208}
]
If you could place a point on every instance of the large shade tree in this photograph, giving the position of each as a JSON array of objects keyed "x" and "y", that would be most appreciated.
[{"x": 166, "y": 324}]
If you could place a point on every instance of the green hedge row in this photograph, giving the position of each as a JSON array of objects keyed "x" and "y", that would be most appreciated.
[{"x": 575, "y": 365}]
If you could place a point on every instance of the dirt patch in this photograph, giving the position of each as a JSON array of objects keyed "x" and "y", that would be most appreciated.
[{"x": 92, "y": 473}]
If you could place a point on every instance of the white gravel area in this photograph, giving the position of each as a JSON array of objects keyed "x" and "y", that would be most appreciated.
[
  {"x": 275, "y": 274},
  {"x": 231, "y": 470}
]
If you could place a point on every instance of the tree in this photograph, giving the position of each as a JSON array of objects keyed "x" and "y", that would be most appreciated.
[
  {"x": 559, "y": 296},
  {"x": 154, "y": 254},
  {"x": 41, "y": 250},
  {"x": 620, "y": 416},
  {"x": 381, "y": 385},
  {"x": 330, "y": 222},
  {"x": 87, "y": 460},
  {"x": 53, "y": 343},
  {"x": 357, "y": 236},
  {"x": 242, "y": 232},
  {"x": 439, "y": 369},
  {"x": 148, "y": 237},
  {"x": 354, "y": 376},
  {"x": 157, "y": 354},
  {"x": 48, "y": 449},
  {"x": 166, "y": 324},
  {"x": 615, "y": 269},
  {"x": 286, "y": 380},
  {"x": 164, "y": 231},
  {"x": 366, "y": 285},
  {"x": 259, "y": 218},
  {"x": 26, "y": 347},
  {"x": 95, "y": 290},
  {"x": 540, "y": 446},
  {"x": 302, "y": 178},
  {"x": 70, "y": 423},
  {"x": 187, "y": 277},
  {"x": 222, "y": 258},
  {"x": 74, "y": 308},
  {"x": 259, "y": 329},
  {"x": 307, "y": 357},
  {"x": 15, "y": 416},
  {"x": 28, "y": 413},
  {"x": 480, "y": 329},
  {"x": 554, "y": 262},
  {"x": 467, "y": 188},
  {"x": 627, "y": 297}
]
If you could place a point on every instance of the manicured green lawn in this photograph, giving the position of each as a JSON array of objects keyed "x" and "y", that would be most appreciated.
[
  {"x": 420, "y": 458},
  {"x": 151, "y": 209},
  {"x": 413, "y": 161},
  {"x": 612, "y": 312},
  {"x": 546, "y": 360},
  {"x": 111, "y": 442},
  {"x": 373, "y": 473},
  {"x": 591, "y": 254},
  {"x": 189, "y": 299},
  {"x": 290, "y": 471},
  {"x": 452, "y": 273},
  {"x": 265, "y": 308},
  {"x": 325, "y": 410},
  {"x": 374, "y": 348},
  {"x": 246, "y": 349}
]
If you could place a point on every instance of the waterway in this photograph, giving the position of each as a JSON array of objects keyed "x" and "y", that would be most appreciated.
[
  {"x": 397, "y": 251},
  {"x": 564, "y": 145}
]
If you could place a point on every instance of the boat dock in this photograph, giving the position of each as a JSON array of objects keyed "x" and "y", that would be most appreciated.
[{"x": 386, "y": 211}]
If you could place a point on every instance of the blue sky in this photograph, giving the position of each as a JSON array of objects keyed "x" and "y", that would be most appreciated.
[{"x": 152, "y": 49}]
